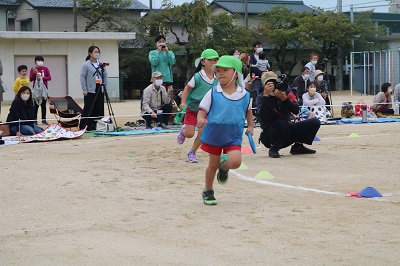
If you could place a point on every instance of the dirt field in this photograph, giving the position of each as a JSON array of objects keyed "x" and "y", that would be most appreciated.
[{"x": 135, "y": 200}]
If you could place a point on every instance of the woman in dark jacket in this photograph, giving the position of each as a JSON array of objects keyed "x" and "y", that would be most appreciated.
[{"x": 22, "y": 109}]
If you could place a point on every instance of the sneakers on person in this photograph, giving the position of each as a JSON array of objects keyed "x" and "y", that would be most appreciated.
[
  {"x": 222, "y": 175},
  {"x": 163, "y": 126},
  {"x": 149, "y": 127},
  {"x": 300, "y": 149},
  {"x": 192, "y": 157},
  {"x": 35, "y": 122},
  {"x": 208, "y": 197},
  {"x": 44, "y": 122},
  {"x": 273, "y": 152},
  {"x": 181, "y": 138}
]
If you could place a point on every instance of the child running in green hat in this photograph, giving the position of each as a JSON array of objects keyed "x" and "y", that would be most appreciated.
[
  {"x": 201, "y": 82},
  {"x": 222, "y": 114}
]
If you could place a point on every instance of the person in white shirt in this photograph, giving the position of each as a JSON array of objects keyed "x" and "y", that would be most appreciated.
[
  {"x": 311, "y": 65},
  {"x": 315, "y": 103}
]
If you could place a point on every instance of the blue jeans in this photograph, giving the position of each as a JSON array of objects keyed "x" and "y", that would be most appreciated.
[{"x": 26, "y": 130}]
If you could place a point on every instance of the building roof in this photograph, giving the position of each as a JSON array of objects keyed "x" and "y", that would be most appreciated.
[
  {"x": 8, "y": 3},
  {"x": 136, "y": 5},
  {"x": 260, "y": 6}
]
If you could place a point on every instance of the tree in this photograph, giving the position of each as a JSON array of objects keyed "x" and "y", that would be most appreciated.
[{"x": 102, "y": 13}]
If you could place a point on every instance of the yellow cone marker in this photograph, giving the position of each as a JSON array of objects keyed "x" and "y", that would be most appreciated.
[
  {"x": 354, "y": 135},
  {"x": 264, "y": 175}
]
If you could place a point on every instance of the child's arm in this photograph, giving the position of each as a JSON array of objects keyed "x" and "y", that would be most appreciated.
[
  {"x": 47, "y": 75},
  {"x": 16, "y": 86},
  {"x": 250, "y": 123},
  {"x": 185, "y": 93},
  {"x": 201, "y": 118}
]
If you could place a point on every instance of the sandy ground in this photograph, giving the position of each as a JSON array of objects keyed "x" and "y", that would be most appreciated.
[{"x": 135, "y": 200}]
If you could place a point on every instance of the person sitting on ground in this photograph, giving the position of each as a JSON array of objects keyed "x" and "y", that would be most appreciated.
[
  {"x": 156, "y": 102},
  {"x": 275, "y": 109},
  {"x": 22, "y": 109},
  {"x": 315, "y": 103},
  {"x": 322, "y": 87},
  {"x": 382, "y": 103}
]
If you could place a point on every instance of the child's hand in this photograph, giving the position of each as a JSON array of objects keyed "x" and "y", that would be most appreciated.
[
  {"x": 250, "y": 129},
  {"x": 201, "y": 122}
]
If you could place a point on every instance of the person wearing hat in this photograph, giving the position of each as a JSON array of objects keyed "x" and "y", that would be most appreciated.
[
  {"x": 275, "y": 109},
  {"x": 322, "y": 87},
  {"x": 162, "y": 59},
  {"x": 222, "y": 114},
  {"x": 40, "y": 72},
  {"x": 156, "y": 102},
  {"x": 201, "y": 82}
]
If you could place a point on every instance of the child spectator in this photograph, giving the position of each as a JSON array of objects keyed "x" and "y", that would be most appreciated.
[
  {"x": 311, "y": 65},
  {"x": 22, "y": 80},
  {"x": 262, "y": 62},
  {"x": 201, "y": 82},
  {"x": 222, "y": 114},
  {"x": 315, "y": 103},
  {"x": 40, "y": 72}
]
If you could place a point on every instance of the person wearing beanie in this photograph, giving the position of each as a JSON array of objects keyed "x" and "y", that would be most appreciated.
[
  {"x": 201, "y": 82},
  {"x": 222, "y": 114},
  {"x": 275, "y": 109}
]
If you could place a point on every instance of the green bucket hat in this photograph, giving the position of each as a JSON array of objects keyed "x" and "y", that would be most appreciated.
[
  {"x": 229, "y": 61},
  {"x": 209, "y": 54}
]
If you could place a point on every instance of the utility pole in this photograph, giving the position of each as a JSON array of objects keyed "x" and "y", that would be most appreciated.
[
  {"x": 246, "y": 13},
  {"x": 339, "y": 85},
  {"x": 150, "y": 5},
  {"x": 75, "y": 17}
]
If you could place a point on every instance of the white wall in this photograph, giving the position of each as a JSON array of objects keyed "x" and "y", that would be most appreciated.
[{"x": 74, "y": 50}]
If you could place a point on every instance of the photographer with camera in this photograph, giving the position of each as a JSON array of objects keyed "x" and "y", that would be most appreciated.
[
  {"x": 162, "y": 60},
  {"x": 276, "y": 106}
]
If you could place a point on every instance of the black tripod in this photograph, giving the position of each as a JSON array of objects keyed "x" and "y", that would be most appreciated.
[{"x": 103, "y": 87}]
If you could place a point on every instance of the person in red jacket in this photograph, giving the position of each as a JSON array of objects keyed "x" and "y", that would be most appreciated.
[{"x": 39, "y": 71}]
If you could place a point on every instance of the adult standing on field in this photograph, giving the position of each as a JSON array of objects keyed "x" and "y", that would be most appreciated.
[{"x": 162, "y": 60}]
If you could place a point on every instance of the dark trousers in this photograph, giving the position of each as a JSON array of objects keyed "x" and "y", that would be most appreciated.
[
  {"x": 161, "y": 118},
  {"x": 385, "y": 111},
  {"x": 282, "y": 134},
  {"x": 43, "y": 108},
  {"x": 93, "y": 106}
]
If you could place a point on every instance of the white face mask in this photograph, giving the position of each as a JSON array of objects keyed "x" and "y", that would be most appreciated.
[
  {"x": 158, "y": 82},
  {"x": 39, "y": 63},
  {"x": 306, "y": 76},
  {"x": 259, "y": 50},
  {"x": 312, "y": 91},
  {"x": 25, "y": 97},
  {"x": 237, "y": 56},
  {"x": 390, "y": 90},
  {"x": 96, "y": 56},
  {"x": 320, "y": 78},
  {"x": 314, "y": 62}
]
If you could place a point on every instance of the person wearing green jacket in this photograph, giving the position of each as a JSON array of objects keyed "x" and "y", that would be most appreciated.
[{"x": 162, "y": 59}]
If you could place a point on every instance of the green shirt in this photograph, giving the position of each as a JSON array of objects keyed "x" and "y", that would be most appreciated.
[
  {"x": 197, "y": 93},
  {"x": 162, "y": 61}
]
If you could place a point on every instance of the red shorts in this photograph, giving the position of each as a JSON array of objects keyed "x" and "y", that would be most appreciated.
[
  {"x": 190, "y": 118},
  {"x": 217, "y": 150}
]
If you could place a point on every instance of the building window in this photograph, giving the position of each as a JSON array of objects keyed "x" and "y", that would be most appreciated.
[{"x": 26, "y": 25}]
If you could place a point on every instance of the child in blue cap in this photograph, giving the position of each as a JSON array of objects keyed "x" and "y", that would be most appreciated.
[{"x": 222, "y": 113}]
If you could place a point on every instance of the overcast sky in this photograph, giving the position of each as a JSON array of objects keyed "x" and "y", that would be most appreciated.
[{"x": 378, "y": 6}]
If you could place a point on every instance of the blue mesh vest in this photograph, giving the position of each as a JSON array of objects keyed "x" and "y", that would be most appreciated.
[{"x": 225, "y": 120}]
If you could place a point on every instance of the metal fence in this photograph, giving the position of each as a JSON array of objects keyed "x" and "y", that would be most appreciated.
[{"x": 368, "y": 70}]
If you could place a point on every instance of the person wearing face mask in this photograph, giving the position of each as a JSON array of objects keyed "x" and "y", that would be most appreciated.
[
  {"x": 322, "y": 87},
  {"x": 22, "y": 109},
  {"x": 301, "y": 83},
  {"x": 40, "y": 72},
  {"x": 276, "y": 113},
  {"x": 92, "y": 77},
  {"x": 162, "y": 59},
  {"x": 382, "y": 103},
  {"x": 315, "y": 103},
  {"x": 156, "y": 102},
  {"x": 254, "y": 71},
  {"x": 311, "y": 65}
]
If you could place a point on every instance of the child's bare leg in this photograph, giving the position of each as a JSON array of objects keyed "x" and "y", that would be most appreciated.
[
  {"x": 189, "y": 131},
  {"x": 212, "y": 168},
  {"x": 197, "y": 142},
  {"x": 234, "y": 160}
]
